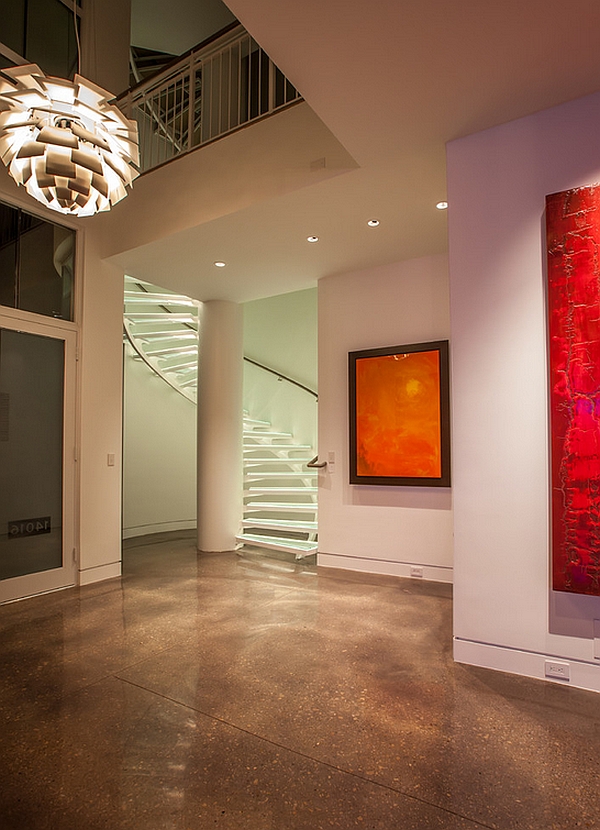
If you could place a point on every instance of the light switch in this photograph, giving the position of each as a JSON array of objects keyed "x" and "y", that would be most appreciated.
[
  {"x": 110, "y": 459},
  {"x": 331, "y": 462}
]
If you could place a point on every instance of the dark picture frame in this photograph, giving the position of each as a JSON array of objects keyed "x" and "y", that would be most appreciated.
[{"x": 399, "y": 413}]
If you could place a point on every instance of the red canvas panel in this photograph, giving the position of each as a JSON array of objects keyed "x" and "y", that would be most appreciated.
[{"x": 573, "y": 229}]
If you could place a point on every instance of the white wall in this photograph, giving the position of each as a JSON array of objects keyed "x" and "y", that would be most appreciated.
[
  {"x": 368, "y": 528},
  {"x": 506, "y": 617},
  {"x": 100, "y": 411},
  {"x": 159, "y": 454},
  {"x": 281, "y": 333}
]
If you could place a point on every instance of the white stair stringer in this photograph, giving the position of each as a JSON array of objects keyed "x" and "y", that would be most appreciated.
[{"x": 280, "y": 493}]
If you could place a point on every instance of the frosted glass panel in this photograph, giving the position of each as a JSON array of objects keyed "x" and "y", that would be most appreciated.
[{"x": 31, "y": 453}]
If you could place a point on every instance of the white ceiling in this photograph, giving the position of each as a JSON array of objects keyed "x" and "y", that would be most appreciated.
[
  {"x": 174, "y": 26},
  {"x": 393, "y": 80}
]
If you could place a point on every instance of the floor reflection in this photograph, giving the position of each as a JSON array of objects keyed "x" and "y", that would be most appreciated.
[{"x": 246, "y": 692}]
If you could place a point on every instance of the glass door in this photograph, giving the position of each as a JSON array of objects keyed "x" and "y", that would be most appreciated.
[{"x": 37, "y": 464}]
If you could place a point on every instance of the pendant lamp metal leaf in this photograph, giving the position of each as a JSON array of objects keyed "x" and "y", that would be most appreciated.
[{"x": 64, "y": 141}]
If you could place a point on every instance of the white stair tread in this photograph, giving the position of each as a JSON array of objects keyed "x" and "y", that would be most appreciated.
[
  {"x": 265, "y": 445},
  {"x": 283, "y": 474},
  {"x": 177, "y": 333},
  {"x": 157, "y": 350},
  {"x": 274, "y": 459},
  {"x": 273, "y": 543},
  {"x": 282, "y": 441},
  {"x": 283, "y": 506},
  {"x": 255, "y": 433},
  {"x": 275, "y": 491},
  {"x": 280, "y": 524},
  {"x": 273, "y": 444}
]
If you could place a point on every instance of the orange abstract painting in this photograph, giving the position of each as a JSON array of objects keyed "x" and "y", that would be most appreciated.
[{"x": 398, "y": 412}]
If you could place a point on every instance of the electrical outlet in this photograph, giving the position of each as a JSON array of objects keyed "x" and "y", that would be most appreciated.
[
  {"x": 416, "y": 571},
  {"x": 560, "y": 670},
  {"x": 596, "y": 639}
]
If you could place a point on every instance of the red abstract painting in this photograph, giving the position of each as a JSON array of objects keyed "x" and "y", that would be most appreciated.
[
  {"x": 398, "y": 415},
  {"x": 573, "y": 231}
]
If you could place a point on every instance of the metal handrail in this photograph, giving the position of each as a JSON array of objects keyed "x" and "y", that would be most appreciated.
[
  {"x": 218, "y": 87},
  {"x": 316, "y": 463},
  {"x": 167, "y": 70},
  {"x": 281, "y": 376},
  {"x": 131, "y": 338}
]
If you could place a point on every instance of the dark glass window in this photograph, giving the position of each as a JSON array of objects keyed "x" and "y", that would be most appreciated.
[
  {"x": 9, "y": 235},
  {"x": 36, "y": 264},
  {"x": 43, "y": 32},
  {"x": 12, "y": 26}
]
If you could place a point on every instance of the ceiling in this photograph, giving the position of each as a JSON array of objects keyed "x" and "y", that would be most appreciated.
[
  {"x": 177, "y": 25},
  {"x": 393, "y": 81}
]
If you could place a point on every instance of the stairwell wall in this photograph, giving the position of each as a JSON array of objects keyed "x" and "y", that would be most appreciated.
[
  {"x": 281, "y": 332},
  {"x": 159, "y": 454},
  {"x": 373, "y": 529}
]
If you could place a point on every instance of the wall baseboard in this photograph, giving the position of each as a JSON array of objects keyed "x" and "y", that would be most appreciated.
[
  {"x": 384, "y": 567},
  {"x": 98, "y": 574},
  {"x": 530, "y": 664},
  {"x": 159, "y": 527}
]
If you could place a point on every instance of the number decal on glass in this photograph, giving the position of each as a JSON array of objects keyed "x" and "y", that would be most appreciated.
[{"x": 29, "y": 527}]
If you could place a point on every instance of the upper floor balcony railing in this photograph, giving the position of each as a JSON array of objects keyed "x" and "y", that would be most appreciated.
[{"x": 216, "y": 88}]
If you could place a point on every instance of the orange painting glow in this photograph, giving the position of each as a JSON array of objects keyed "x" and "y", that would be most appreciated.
[{"x": 398, "y": 426}]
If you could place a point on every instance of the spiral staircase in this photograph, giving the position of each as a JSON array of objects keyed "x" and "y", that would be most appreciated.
[{"x": 280, "y": 492}]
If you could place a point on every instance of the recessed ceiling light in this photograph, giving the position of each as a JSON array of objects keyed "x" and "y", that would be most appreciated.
[
  {"x": 220, "y": 264},
  {"x": 312, "y": 238},
  {"x": 442, "y": 205},
  {"x": 372, "y": 223}
]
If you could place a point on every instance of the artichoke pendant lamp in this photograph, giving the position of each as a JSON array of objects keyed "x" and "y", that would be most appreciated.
[{"x": 64, "y": 141}]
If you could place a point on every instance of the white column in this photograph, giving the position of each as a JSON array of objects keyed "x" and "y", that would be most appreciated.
[{"x": 220, "y": 424}]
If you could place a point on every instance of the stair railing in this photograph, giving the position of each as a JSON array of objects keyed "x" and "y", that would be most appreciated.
[
  {"x": 187, "y": 392},
  {"x": 281, "y": 376},
  {"x": 131, "y": 339},
  {"x": 218, "y": 87}
]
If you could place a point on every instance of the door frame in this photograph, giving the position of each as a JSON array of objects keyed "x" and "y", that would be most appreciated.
[{"x": 28, "y": 585}]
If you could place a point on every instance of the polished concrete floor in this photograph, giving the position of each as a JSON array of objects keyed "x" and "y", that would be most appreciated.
[{"x": 245, "y": 692}]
